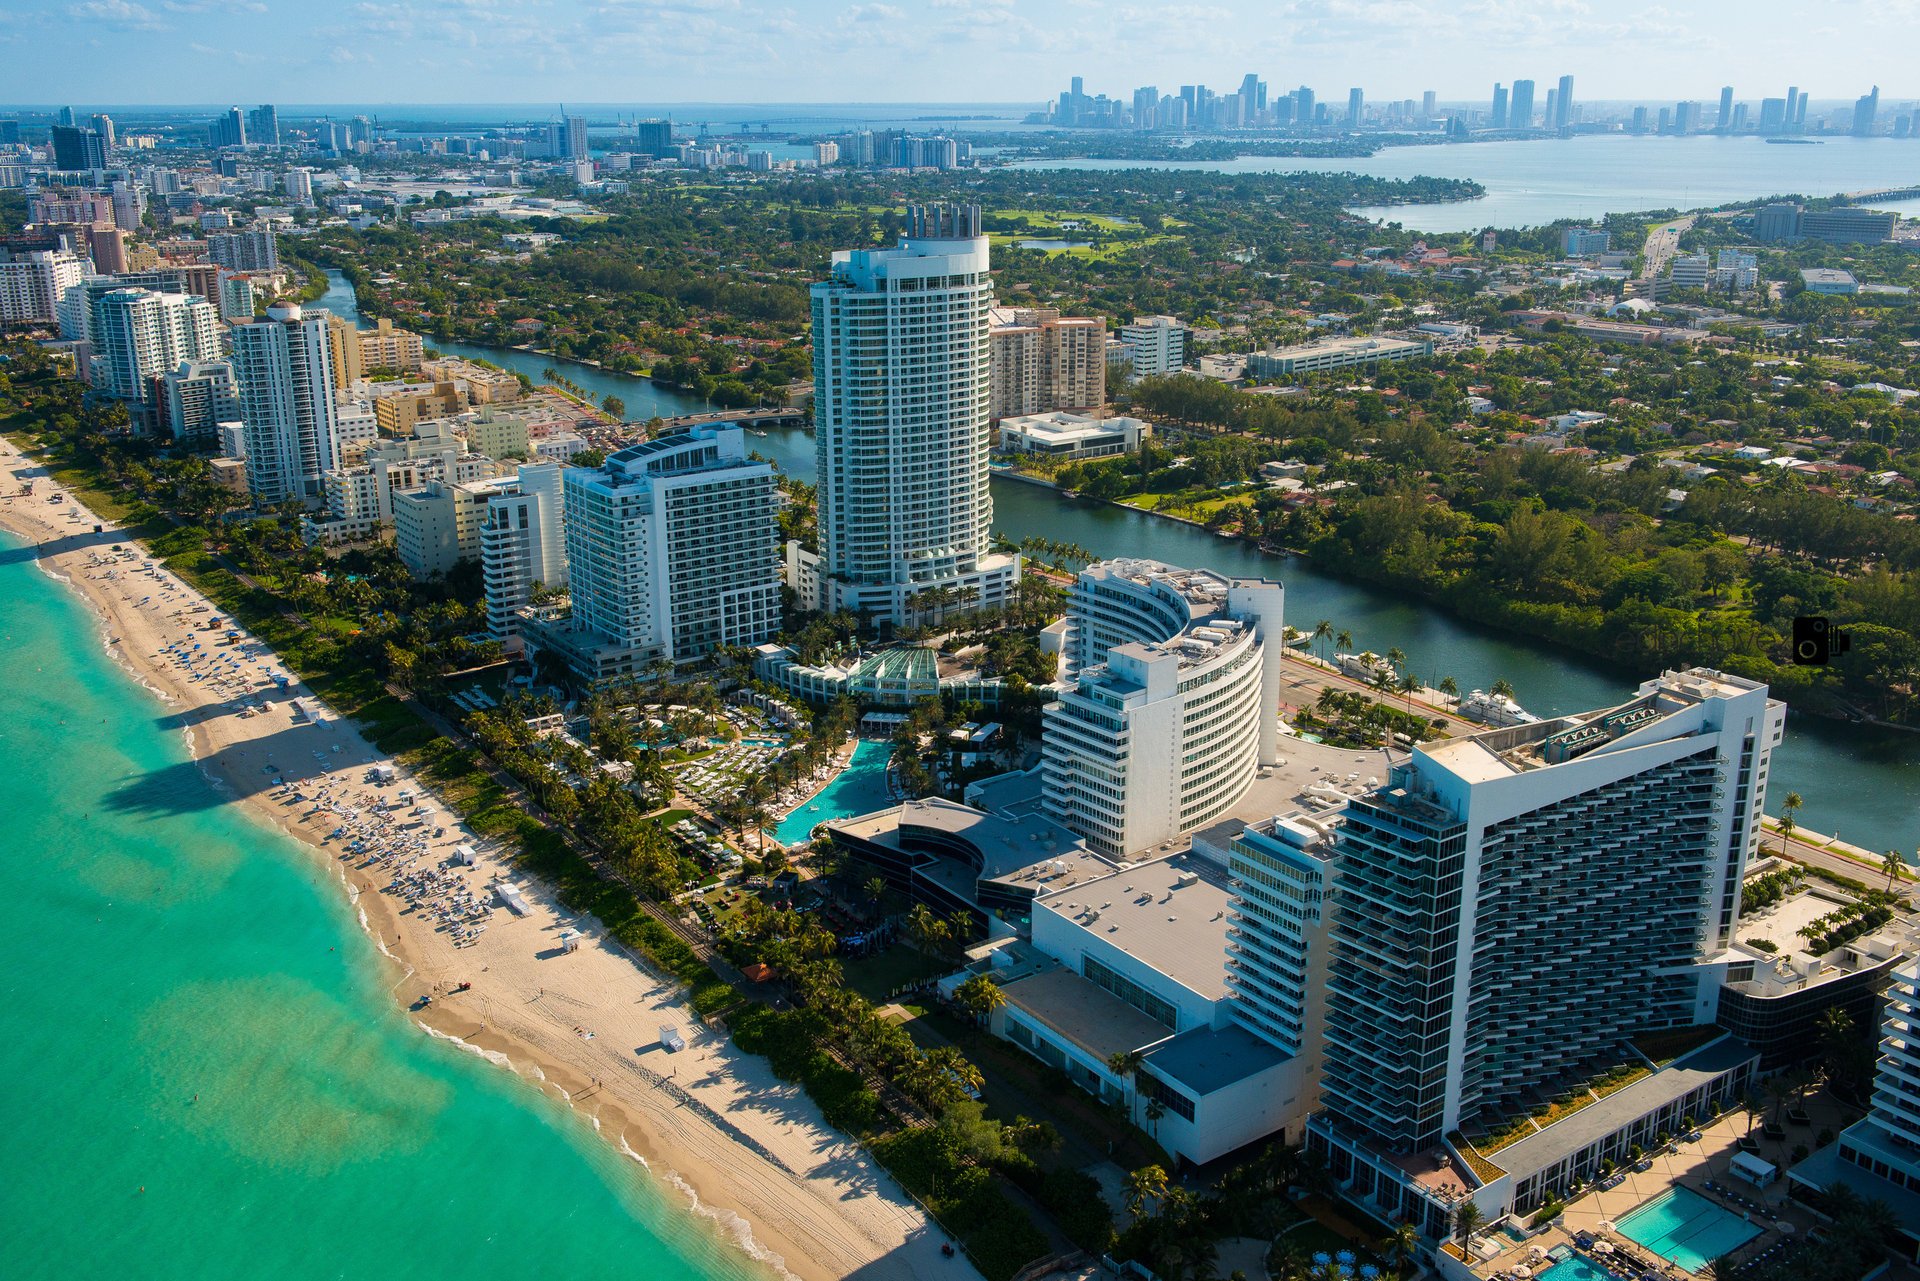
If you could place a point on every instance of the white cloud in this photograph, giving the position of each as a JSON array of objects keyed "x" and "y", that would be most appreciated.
[{"x": 122, "y": 14}]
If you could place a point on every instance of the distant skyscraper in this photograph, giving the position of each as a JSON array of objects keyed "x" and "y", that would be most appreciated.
[
  {"x": 1303, "y": 108},
  {"x": 1146, "y": 104},
  {"x": 283, "y": 372},
  {"x": 103, "y": 125},
  {"x": 1724, "y": 122},
  {"x": 902, "y": 382},
  {"x": 1773, "y": 115},
  {"x": 1356, "y": 106},
  {"x": 75, "y": 148},
  {"x": 228, "y": 130},
  {"x": 1551, "y": 112},
  {"x": 1686, "y": 117},
  {"x": 1793, "y": 108},
  {"x": 1499, "y": 106},
  {"x": 1563, "y": 111},
  {"x": 576, "y": 137},
  {"x": 1428, "y": 101},
  {"x": 263, "y": 126},
  {"x": 1639, "y": 124},
  {"x": 1865, "y": 110},
  {"x": 1520, "y": 105},
  {"x": 66, "y": 117}
]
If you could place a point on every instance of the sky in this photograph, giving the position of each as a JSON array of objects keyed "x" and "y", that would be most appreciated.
[{"x": 160, "y": 52}]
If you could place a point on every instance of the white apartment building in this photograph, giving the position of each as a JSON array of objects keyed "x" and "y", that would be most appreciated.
[
  {"x": 671, "y": 553},
  {"x": 33, "y": 283},
  {"x": 1173, "y": 705},
  {"x": 143, "y": 333},
  {"x": 1689, "y": 271},
  {"x": 901, "y": 396},
  {"x": 438, "y": 526},
  {"x": 357, "y": 500},
  {"x": 236, "y": 297},
  {"x": 196, "y": 397},
  {"x": 284, "y": 372},
  {"x": 356, "y": 428},
  {"x": 1155, "y": 345},
  {"x": 523, "y": 542}
]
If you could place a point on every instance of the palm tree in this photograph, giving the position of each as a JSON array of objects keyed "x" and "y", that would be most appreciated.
[
  {"x": 876, "y": 888},
  {"x": 1343, "y": 641},
  {"x": 1396, "y": 658},
  {"x": 1400, "y": 1245},
  {"x": 1408, "y": 684},
  {"x": 1466, "y": 1218},
  {"x": 980, "y": 996},
  {"x": 1148, "y": 1183},
  {"x": 1788, "y": 808},
  {"x": 1503, "y": 688},
  {"x": 1894, "y": 866},
  {"x": 1449, "y": 687},
  {"x": 1322, "y": 632},
  {"x": 1155, "y": 1109}
]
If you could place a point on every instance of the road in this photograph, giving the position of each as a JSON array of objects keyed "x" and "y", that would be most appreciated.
[{"x": 1663, "y": 242}]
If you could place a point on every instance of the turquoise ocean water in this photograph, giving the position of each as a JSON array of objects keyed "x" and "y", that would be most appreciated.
[{"x": 160, "y": 945}]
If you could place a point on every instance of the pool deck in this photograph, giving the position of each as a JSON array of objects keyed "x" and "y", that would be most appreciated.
[{"x": 1688, "y": 1165}]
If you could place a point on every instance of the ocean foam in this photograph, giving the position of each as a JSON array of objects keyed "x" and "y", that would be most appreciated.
[
  {"x": 494, "y": 1057},
  {"x": 736, "y": 1229}
]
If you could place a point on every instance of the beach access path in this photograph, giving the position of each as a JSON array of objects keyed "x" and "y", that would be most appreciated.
[{"x": 581, "y": 1022}]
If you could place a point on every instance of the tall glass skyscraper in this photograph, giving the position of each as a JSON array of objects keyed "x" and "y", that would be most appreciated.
[
  {"x": 283, "y": 372},
  {"x": 902, "y": 386},
  {"x": 1516, "y": 904}
]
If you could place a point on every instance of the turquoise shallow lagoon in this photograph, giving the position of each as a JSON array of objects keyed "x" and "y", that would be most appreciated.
[{"x": 202, "y": 1074}]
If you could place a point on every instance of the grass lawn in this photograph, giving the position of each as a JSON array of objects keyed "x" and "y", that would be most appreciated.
[{"x": 875, "y": 976}]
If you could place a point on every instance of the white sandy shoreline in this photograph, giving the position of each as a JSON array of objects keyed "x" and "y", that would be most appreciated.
[{"x": 582, "y": 1026}]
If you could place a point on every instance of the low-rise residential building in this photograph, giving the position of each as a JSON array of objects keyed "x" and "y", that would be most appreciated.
[
  {"x": 1334, "y": 353},
  {"x": 1064, "y": 435},
  {"x": 438, "y": 526}
]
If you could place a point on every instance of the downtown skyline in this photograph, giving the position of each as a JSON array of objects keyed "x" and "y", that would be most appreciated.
[{"x": 1002, "y": 51}]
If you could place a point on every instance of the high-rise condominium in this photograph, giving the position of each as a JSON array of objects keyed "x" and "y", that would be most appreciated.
[
  {"x": 1356, "y": 106},
  {"x": 1491, "y": 870},
  {"x": 902, "y": 383},
  {"x": 1563, "y": 109},
  {"x": 1520, "y": 105},
  {"x": 671, "y": 553},
  {"x": 522, "y": 542},
  {"x": 1724, "y": 122},
  {"x": 1499, "y": 106},
  {"x": 283, "y": 372},
  {"x": 143, "y": 333}
]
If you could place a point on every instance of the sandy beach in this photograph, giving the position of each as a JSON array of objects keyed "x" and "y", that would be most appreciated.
[{"x": 578, "y": 1016}]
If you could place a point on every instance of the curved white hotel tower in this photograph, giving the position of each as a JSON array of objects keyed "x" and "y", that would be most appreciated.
[
  {"x": 901, "y": 378},
  {"x": 1173, "y": 704}
]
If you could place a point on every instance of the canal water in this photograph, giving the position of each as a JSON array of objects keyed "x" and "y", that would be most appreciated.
[{"x": 1859, "y": 784}]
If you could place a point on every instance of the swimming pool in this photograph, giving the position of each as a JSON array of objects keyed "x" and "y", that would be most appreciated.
[
  {"x": 1577, "y": 1269},
  {"x": 1685, "y": 1227},
  {"x": 860, "y": 788}
]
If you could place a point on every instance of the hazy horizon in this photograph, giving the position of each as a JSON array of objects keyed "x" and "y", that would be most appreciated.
[{"x": 920, "y": 52}]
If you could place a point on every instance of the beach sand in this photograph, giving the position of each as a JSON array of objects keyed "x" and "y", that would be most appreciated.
[{"x": 741, "y": 1146}]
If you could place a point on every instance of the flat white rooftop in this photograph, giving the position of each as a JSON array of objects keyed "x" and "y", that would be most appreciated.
[{"x": 1169, "y": 914}]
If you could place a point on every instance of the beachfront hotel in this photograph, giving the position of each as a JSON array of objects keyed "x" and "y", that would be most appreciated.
[
  {"x": 1509, "y": 911},
  {"x": 901, "y": 391},
  {"x": 143, "y": 334},
  {"x": 671, "y": 553},
  {"x": 1172, "y": 706},
  {"x": 283, "y": 373}
]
